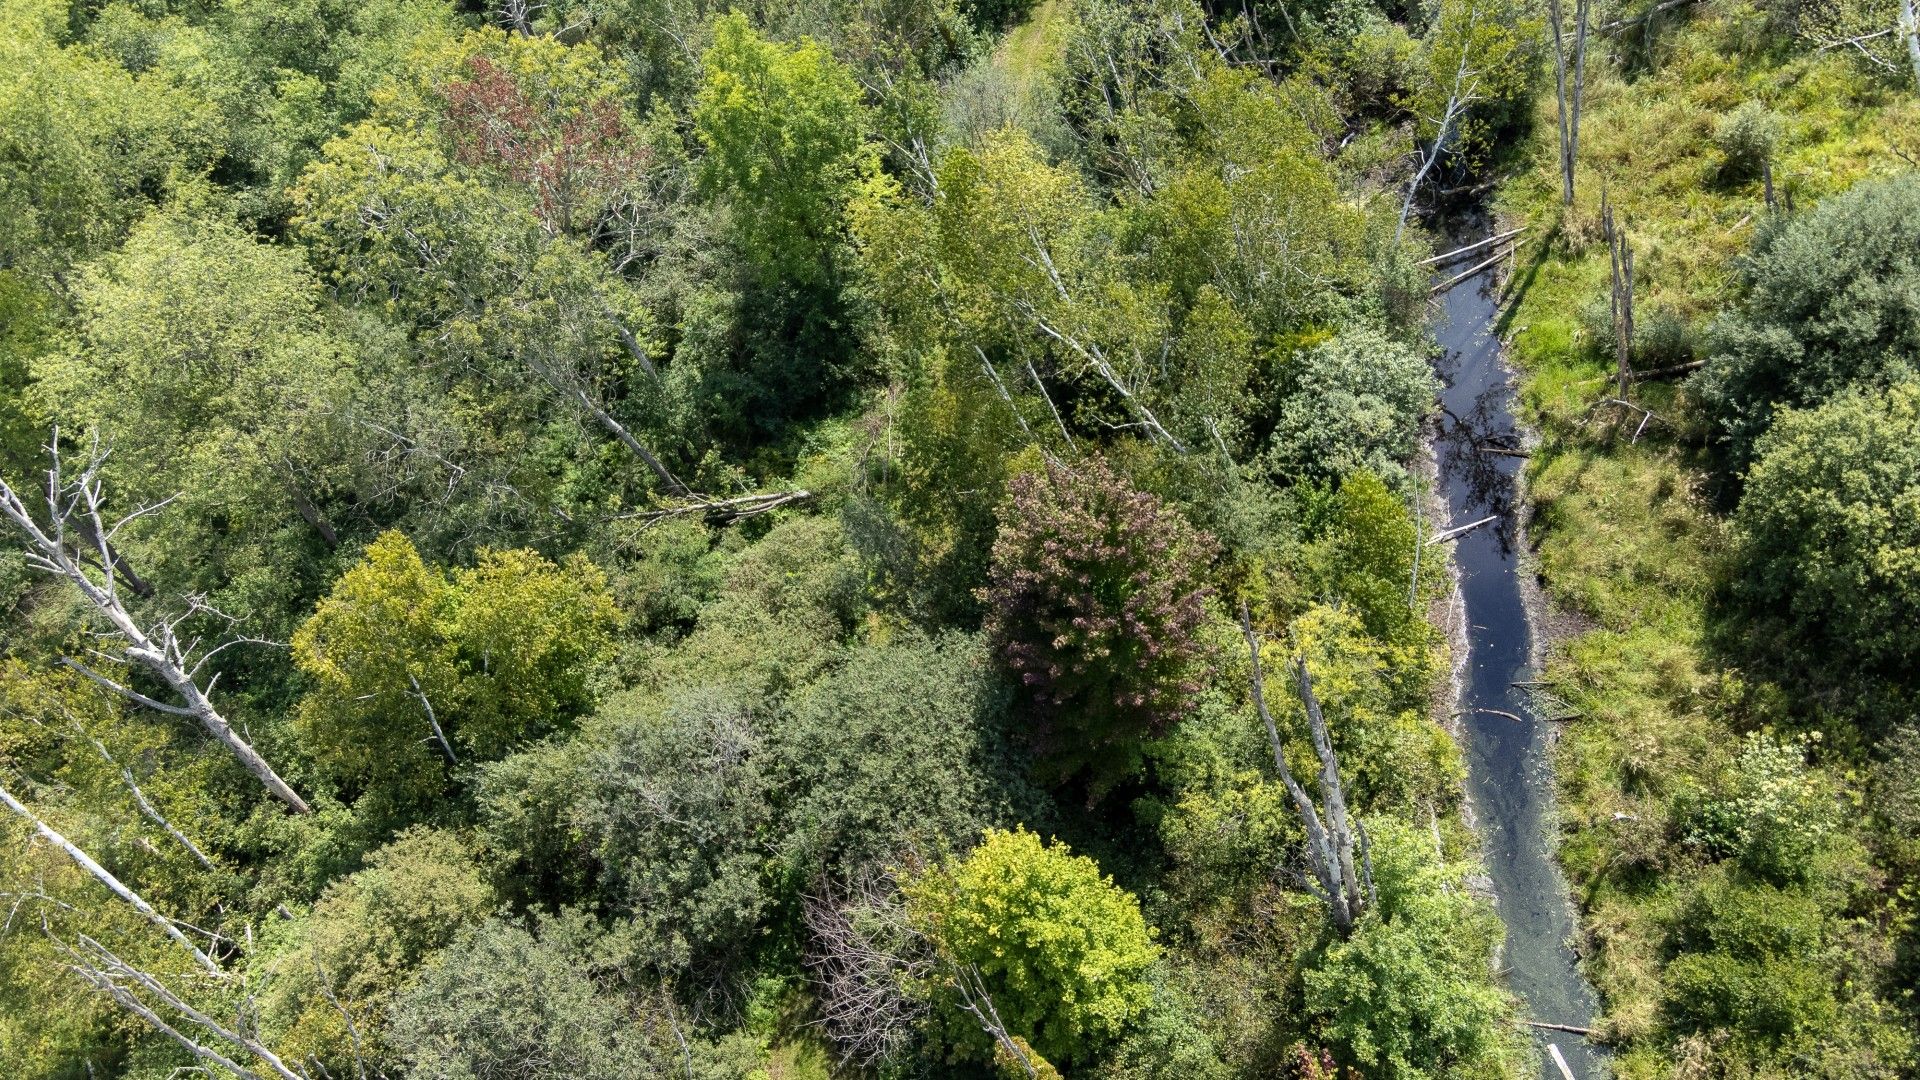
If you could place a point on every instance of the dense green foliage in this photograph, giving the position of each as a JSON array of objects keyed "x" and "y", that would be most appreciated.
[
  {"x": 492, "y": 658},
  {"x": 730, "y": 525},
  {"x": 1828, "y": 540},
  {"x": 1829, "y": 306},
  {"x": 1398, "y": 994}
]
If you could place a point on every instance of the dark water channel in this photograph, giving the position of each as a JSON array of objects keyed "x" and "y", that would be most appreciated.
[{"x": 1509, "y": 782}]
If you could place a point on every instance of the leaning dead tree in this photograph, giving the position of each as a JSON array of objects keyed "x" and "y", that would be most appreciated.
[
  {"x": 195, "y": 1030},
  {"x": 1571, "y": 93},
  {"x": 1464, "y": 94},
  {"x": 77, "y": 521},
  {"x": 1621, "y": 257},
  {"x": 1331, "y": 832},
  {"x": 141, "y": 993},
  {"x": 113, "y": 884}
]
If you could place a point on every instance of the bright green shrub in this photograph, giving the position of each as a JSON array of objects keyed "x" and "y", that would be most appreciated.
[
  {"x": 1745, "y": 139},
  {"x": 1830, "y": 305},
  {"x": 1061, "y": 949},
  {"x": 1827, "y": 541},
  {"x": 1362, "y": 559},
  {"x": 1749, "y": 959},
  {"x": 1353, "y": 402},
  {"x": 1771, "y": 814},
  {"x": 1770, "y": 999},
  {"x": 1410, "y": 993},
  {"x": 496, "y": 656}
]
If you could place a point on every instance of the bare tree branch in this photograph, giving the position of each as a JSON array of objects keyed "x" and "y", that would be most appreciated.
[
  {"x": 158, "y": 648},
  {"x": 146, "y": 806}
]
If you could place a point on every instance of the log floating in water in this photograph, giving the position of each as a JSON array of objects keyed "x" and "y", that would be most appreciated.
[
  {"x": 1452, "y": 534},
  {"x": 1560, "y": 1061},
  {"x": 1550, "y": 1026},
  {"x": 1465, "y": 274}
]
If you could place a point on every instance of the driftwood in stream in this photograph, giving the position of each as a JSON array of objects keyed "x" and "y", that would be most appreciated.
[
  {"x": 1547, "y": 1025},
  {"x": 1559, "y": 1061},
  {"x": 1449, "y": 256},
  {"x": 1456, "y": 533},
  {"x": 1470, "y": 271}
]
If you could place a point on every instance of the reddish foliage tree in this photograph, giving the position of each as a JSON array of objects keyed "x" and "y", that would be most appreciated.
[
  {"x": 573, "y": 156},
  {"x": 1094, "y": 598}
]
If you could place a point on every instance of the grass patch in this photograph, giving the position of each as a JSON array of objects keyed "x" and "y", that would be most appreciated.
[{"x": 1030, "y": 47}]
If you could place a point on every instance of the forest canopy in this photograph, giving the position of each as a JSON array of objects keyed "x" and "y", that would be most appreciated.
[{"x": 873, "y": 539}]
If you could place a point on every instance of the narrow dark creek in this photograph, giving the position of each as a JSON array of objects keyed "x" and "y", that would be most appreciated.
[{"x": 1509, "y": 781}]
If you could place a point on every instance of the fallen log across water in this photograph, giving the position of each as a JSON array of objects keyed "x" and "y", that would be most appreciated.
[{"x": 1449, "y": 256}]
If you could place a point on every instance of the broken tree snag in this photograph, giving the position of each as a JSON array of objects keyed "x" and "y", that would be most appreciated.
[
  {"x": 1569, "y": 95},
  {"x": 76, "y": 513},
  {"x": 1620, "y": 257},
  {"x": 1330, "y": 840}
]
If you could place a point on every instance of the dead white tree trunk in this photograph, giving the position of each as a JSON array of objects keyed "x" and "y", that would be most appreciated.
[
  {"x": 1346, "y": 889},
  {"x": 102, "y": 969},
  {"x": 1621, "y": 257},
  {"x": 78, "y": 503},
  {"x": 1910, "y": 29},
  {"x": 1569, "y": 93},
  {"x": 114, "y": 885}
]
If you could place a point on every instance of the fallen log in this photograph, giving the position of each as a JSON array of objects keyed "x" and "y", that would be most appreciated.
[
  {"x": 1452, "y": 534},
  {"x": 1449, "y": 256},
  {"x": 731, "y": 509},
  {"x": 1465, "y": 274},
  {"x": 1669, "y": 372},
  {"x": 1547, "y": 1025}
]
